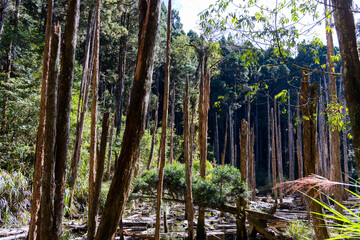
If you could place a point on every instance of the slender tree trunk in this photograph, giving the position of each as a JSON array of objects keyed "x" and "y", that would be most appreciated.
[
  {"x": 270, "y": 149},
  {"x": 231, "y": 128},
  {"x": 204, "y": 102},
  {"x": 242, "y": 204},
  {"x": 154, "y": 132},
  {"x": 345, "y": 28},
  {"x": 48, "y": 182},
  {"x": 334, "y": 133},
  {"x": 171, "y": 157},
  {"x": 3, "y": 8},
  {"x": 273, "y": 162},
  {"x": 99, "y": 175},
  {"x": 248, "y": 145},
  {"x": 252, "y": 157},
  {"x": 82, "y": 107},
  {"x": 110, "y": 148},
  {"x": 308, "y": 107},
  {"x": 189, "y": 200},
  {"x": 278, "y": 148},
  {"x": 192, "y": 127},
  {"x": 291, "y": 145},
  {"x": 64, "y": 105},
  {"x": 225, "y": 141},
  {"x": 149, "y": 16},
  {"x": 92, "y": 209},
  {"x": 119, "y": 93},
  {"x": 39, "y": 152},
  {"x": 345, "y": 146},
  {"x": 299, "y": 139},
  {"x": 216, "y": 141},
  {"x": 164, "y": 126}
]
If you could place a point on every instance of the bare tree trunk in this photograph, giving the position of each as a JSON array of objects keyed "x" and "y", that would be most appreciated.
[
  {"x": 64, "y": 105},
  {"x": 171, "y": 157},
  {"x": 4, "y": 5},
  {"x": 345, "y": 28},
  {"x": 241, "y": 204},
  {"x": 291, "y": 144},
  {"x": 48, "y": 182},
  {"x": 278, "y": 147},
  {"x": 248, "y": 144},
  {"x": 270, "y": 149},
  {"x": 273, "y": 162},
  {"x": 99, "y": 174},
  {"x": 82, "y": 107},
  {"x": 225, "y": 141},
  {"x": 216, "y": 144},
  {"x": 149, "y": 13},
  {"x": 189, "y": 200},
  {"x": 231, "y": 128},
  {"x": 308, "y": 107},
  {"x": 110, "y": 147},
  {"x": 345, "y": 146},
  {"x": 154, "y": 133},
  {"x": 204, "y": 104},
  {"x": 252, "y": 159},
  {"x": 39, "y": 152},
  {"x": 299, "y": 139},
  {"x": 334, "y": 133},
  {"x": 92, "y": 209},
  {"x": 192, "y": 127},
  {"x": 164, "y": 126},
  {"x": 122, "y": 67}
]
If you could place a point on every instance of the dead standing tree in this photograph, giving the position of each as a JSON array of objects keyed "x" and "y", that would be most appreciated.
[
  {"x": 308, "y": 108},
  {"x": 149, "y": 12}
]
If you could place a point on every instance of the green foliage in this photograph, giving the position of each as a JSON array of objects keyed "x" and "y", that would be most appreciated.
[
  {"x": 300, "y": 230},
  {"x": 223, "y": 184},
  {"x": 336, "y": 113},
  {"x": 14, "y": 199}
]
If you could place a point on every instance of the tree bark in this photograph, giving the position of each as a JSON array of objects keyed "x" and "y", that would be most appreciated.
[
  {"x": 225, "y": 140},
  {"x": 64, "y": 103},
  {"x": 217, "y": 153},
  {"x": 345, "y": 28},
  {"x": 119, "y": 93},
  {"x": 299, "y": 140},
  {"x": 334, "y": 133},
  {"x": 171, "y": 157},
  {"x": 92, "y": 206},
  {"x": 269, "y": 137},
  {"x": 39, "y": 152},
  {"x": 110, "y": 148},
  {"x": 164, "y": 126},
  {"x": 99, "y": 176},
  {"x": 241, "y": 204},
  {"x": 204, "y": 104},
  {"x": 308, "y": 107},
  {"x": 48, "y": 182},
  {"x": 291, "y": 144},
  {"x": 189, "y": 201},
  {"x": 82, "y": 107},
  {"x": 154, "y": 132},
  {"x": 149, "y": 13},
  {"x": 231, "y": 129},
  {"x": 273, "y": 162},
  {"x": 278, "y": 147},
  {"x": 252, "y": 160}
]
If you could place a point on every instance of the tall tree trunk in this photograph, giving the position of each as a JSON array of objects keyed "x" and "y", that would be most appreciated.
[
  {"x": 154, "y": 132},
  {"x": 204, "y": 102},
  {"x": 225, "y": 140},
  {"x": 273, "y": 155},
  {"x": 322, "y": 135},
  {"x": 92, "y": 207},
  {"x": 270, "y": 149},
  {"x": 217, "y": 153},
  {"x": 308, "y": 107},
  {"x": 110, "y": 147},
  {"x": 3, "y": 8},
  {"x": 334, "y": 133},
  {"x": 171, "y": 157},
  {"x": 248, "y": 144},
  {"x": 119, "y": 93},
  {"x": 299, "y": 139},
  {"x": 278, "y": 147},
  {"x": 291, "y": 145},
  {"x": 231, "y": 129},
  {"x": 48, "y": 182},
  {"x": 39, "y": 152},
  {"x": 82, "y": 106},
  {"x": 344, "y": 140},
  {"x": 189, "y": 200},
  {"x": 99, "y": 176},
  {"x": 252, "y": 160},
  {"x": 164, "y": 126},
  {"x": 149, "y": 13},
  {"x": 345, "y": 28},
  {"x": 192, "y": 127},
  {"x": 64, "y": 105},
  {"x": 241, "y": 204}
]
